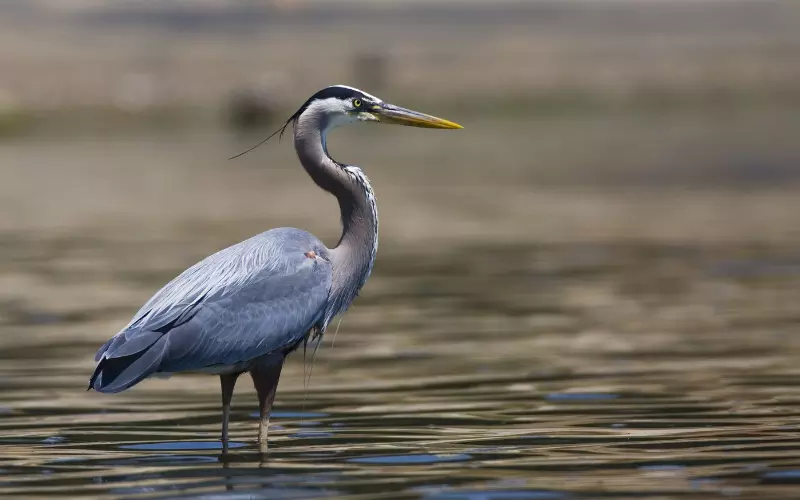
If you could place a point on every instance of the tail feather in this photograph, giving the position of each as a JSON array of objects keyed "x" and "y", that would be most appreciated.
[
  {"x": 117, "y": 373},
  {"x": 137, "y": 343},
  {"x": 99, "y": 355}
]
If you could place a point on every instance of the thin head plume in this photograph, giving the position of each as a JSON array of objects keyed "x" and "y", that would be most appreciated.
[{"x": 280, "y": 132}]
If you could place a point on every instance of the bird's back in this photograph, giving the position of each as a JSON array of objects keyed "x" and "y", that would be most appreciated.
[{"x": 246, "y": 301}]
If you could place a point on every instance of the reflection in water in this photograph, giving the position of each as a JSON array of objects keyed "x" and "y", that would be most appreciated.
[{"x": 572, "y": 371}]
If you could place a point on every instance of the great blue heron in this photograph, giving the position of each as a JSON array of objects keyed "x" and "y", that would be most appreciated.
[{"x": 244, "y": 308}]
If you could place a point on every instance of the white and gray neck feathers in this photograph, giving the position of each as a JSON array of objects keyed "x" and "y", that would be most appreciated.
[{"x": 354, "y": 255}]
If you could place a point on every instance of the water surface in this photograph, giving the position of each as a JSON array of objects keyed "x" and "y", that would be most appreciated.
[{"x": 501, "y": 372}]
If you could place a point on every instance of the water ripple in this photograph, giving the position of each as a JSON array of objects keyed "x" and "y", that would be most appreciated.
[{"x": 542, "y": 378}]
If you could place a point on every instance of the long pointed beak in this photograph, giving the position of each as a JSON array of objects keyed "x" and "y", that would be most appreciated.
[{"x": 389, "y": 113}]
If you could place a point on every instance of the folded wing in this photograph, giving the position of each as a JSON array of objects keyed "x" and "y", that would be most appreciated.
[{"x": 249, "y": 300}]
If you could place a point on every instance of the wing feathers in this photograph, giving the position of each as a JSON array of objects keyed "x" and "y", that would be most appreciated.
[
  {"x": 119, "y": 373},
  {"x": 133, "y": 345},
  {"x": 246, "y": 301}
]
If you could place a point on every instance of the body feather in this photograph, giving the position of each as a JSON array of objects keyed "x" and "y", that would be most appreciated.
[{"x": 252, "y": 299}]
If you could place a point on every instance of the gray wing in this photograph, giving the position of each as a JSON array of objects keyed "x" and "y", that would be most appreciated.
[{"x": 251, "y": 299}]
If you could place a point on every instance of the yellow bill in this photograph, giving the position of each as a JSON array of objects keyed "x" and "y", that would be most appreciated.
[{"x": 395, "y": 115}]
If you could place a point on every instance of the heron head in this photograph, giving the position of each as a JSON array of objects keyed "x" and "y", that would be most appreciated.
[{"x": 340, "y": 105}]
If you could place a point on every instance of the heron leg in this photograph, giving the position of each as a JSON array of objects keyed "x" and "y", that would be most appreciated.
[
  {"x": 265, "y": 379},
  {"x": 227, "y": 382}
]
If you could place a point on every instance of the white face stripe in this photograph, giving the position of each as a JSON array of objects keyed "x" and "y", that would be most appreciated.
[
  {"x": 337, "y": 112},
  {"x": 330, "y": 106},
  {"x": 370, "y": 96},
  {"x": 331, "y": 112}
]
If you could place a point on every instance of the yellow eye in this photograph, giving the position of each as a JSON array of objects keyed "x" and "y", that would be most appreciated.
[{"x": 357, "y": 103}]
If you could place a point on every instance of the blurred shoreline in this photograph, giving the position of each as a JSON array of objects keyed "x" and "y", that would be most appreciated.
[
  {"x": 169, "y": 58},
  {"x": 608, "y": 119}
]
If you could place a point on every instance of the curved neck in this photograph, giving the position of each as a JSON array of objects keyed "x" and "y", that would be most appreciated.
[{"x": 354, "y": 254}]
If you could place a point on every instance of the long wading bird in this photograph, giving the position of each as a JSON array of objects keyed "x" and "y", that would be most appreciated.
[{"x": 245, "y": 308}]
